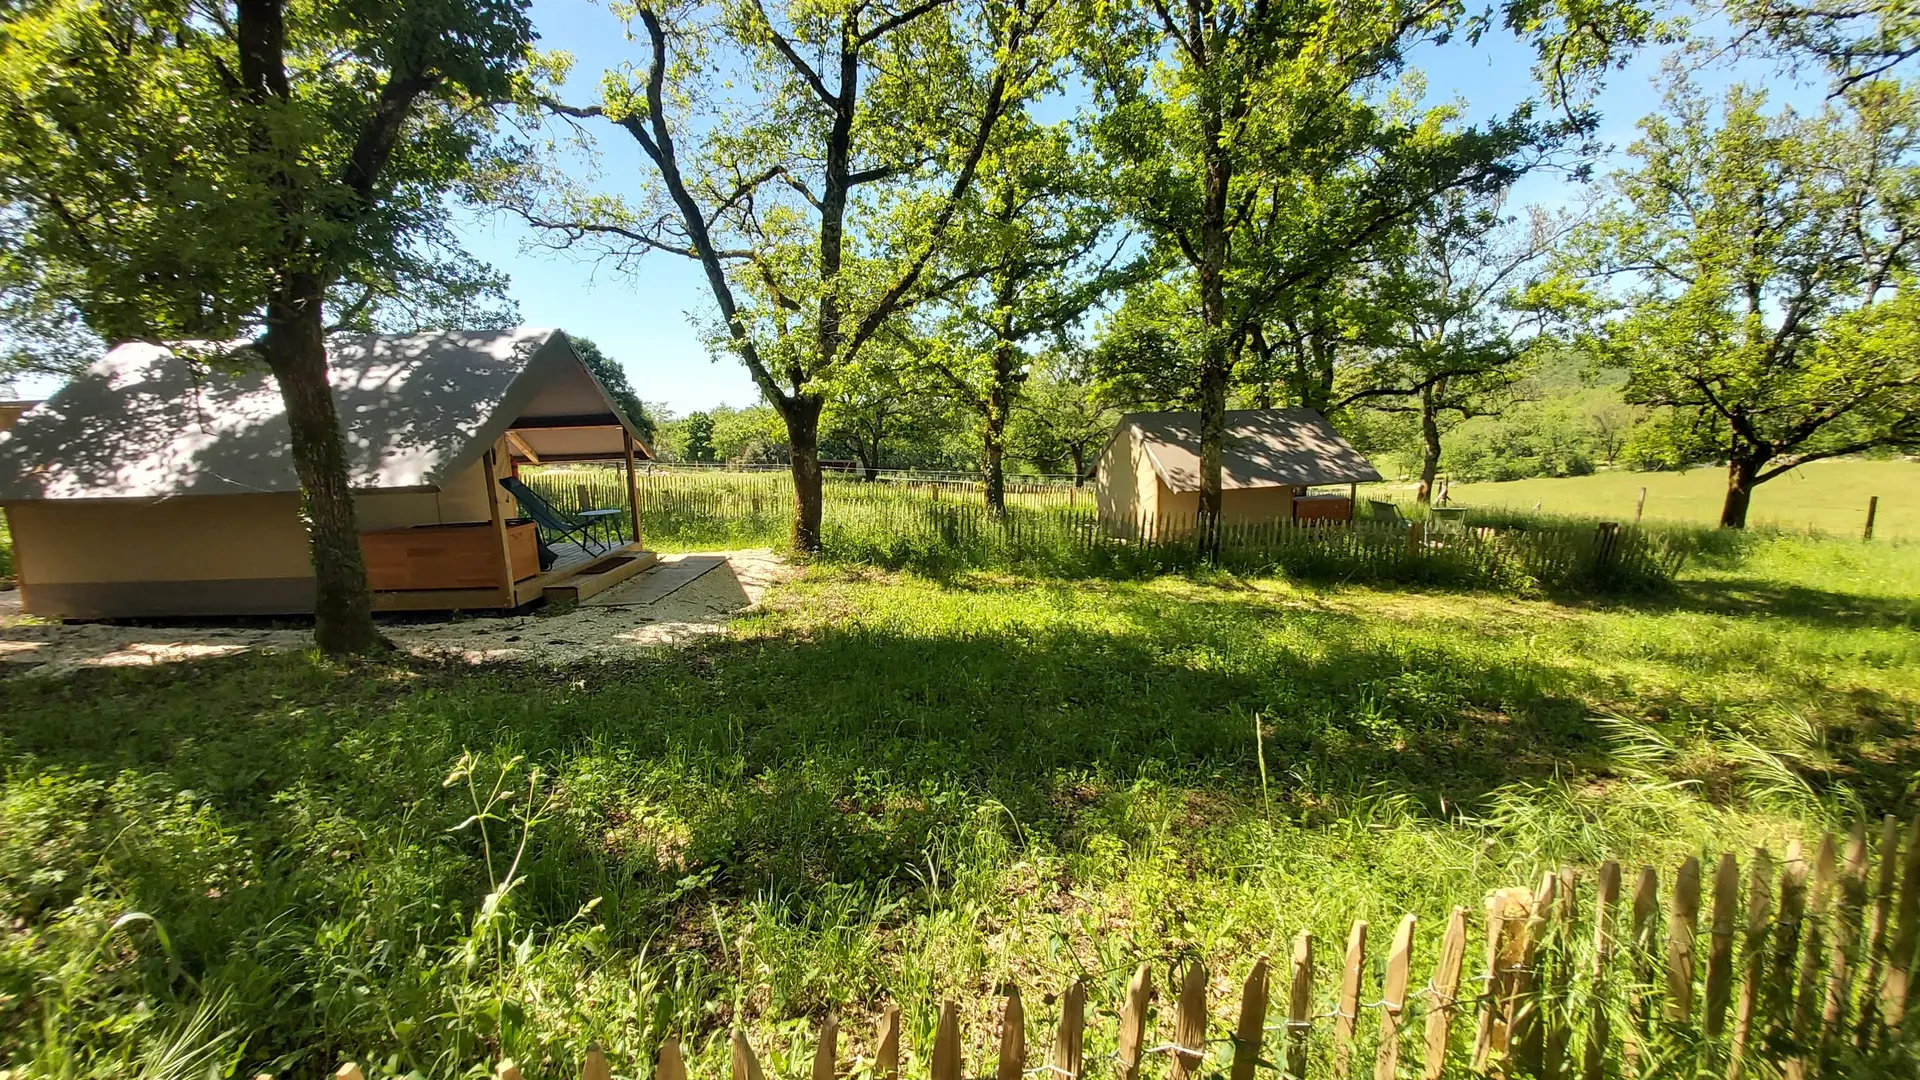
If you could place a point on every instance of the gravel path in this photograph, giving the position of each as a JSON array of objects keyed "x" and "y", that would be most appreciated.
[{"x": 604, "y": 629}]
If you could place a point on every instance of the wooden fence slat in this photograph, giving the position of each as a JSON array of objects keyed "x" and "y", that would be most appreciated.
[
  {"x": 1189, "y": 1024},
  {"x": 1759, "y": 909},
  {"x": 1683, "y": 922},
  {"x": 1805, "y": 1011},
  {"x": 1527, "y": 1021},
  {"x": 1786, "y": 939},
  {"x": 1299, "y": 1005},
  {"x": 1606, "y": 895},
  {"x": 1490, "y": 979},
  {"x": 946, "y": 1044},
  {"x": 886, "y": 1047},
  {"x": 671, "y": 1065},
  {"x": 1348, "y": 1013},
  {"x": 1508, "y": 913},
  {"x": 746, "y": 1064},
  {"x": 1070, "y": 1040},
  {"x": 1393, "y": 1001},
  {"x": 1556, "y": 1014},
  {"x": 1133, "y": 1022},
  {"x": 1646, "y": 906},
  {"x": 1873, "y": 984},
  {"x": 1726, "y": 897},
  {"x": 1803, "y": 1029},
  {"x": 1251, "y": 1032},
  {"x": 1893, "y": 1000},
  {"x": 1846, "y": 933},
  {"x": 1446, "y": 989},
  {"x": 594, "y": 1066},
  {"x": 1013, "y": 1037},
  {"x": 826, "y": 1052}
]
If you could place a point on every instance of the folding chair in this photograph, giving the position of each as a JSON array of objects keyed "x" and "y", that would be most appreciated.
[{"x": 559, "y": 525}]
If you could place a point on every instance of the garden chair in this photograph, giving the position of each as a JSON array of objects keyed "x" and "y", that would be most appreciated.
[
  {"x": 1384, "y": 510},
  {"x": 1449, "y": 520},
  {"x": 559, "y": 525}
]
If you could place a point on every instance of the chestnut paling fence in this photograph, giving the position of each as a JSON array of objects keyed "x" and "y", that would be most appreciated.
[
  {"x": 1784, "y": 967},
  {"x": 922, "y": 523}
]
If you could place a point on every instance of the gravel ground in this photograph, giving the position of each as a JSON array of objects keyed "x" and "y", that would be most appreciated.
[{"x": 606, "y": 629}]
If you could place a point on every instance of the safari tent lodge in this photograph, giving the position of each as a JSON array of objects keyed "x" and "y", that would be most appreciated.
[
  {"x": 151, "y": 486},
  {"x": 1147, "y": 478}
]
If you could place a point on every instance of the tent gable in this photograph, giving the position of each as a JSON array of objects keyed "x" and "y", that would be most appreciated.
[
  {"x": 1264, "y": 448},
  {"x": 414, "y": 410}
]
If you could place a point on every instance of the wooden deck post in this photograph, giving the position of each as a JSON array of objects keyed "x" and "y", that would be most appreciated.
[
  {"x": 633, "y": 490},
  {"x": 497, "y": 518}
]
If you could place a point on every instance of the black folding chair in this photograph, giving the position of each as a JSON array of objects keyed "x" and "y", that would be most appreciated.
[{"x": 559, "y": 525}]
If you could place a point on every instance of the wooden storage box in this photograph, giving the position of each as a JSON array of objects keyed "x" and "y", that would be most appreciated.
[{"x": 462, "y": 556}]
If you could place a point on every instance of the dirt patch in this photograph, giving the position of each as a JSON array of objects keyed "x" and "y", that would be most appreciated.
[{"x": 699, "y": 608}]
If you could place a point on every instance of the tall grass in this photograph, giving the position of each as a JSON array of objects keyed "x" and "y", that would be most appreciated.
[
  {"x": 945, "y": 527},
  {"x": 886, "y": 786}
]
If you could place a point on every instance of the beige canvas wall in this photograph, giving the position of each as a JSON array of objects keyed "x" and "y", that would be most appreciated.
[
  {"x": 210, "y": 554},
  {"x": 1126, "y": 487},
  {"x": 192, "y": 538},
  {"x": 462, "y": 499}
]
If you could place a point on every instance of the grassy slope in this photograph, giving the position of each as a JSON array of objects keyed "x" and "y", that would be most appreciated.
[
  {"x": 891, "y": 785},
  {"x": 1829, "y": 496}
]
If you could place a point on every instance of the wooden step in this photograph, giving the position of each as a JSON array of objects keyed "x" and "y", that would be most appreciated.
[{"x": 599, "y": 576}]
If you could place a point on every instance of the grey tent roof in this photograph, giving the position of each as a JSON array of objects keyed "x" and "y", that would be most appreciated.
[
  {"x": 414, "y": 411},
  {"x": 1264, "y": 448}
]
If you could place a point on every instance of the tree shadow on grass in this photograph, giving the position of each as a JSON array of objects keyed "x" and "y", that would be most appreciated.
[{"x": 1755, "y": 596}]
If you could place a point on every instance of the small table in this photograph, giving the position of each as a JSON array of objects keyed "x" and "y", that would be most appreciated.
[{"x": 605, "y": 522}]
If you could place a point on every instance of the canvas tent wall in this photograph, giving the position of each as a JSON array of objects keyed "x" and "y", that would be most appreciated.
[
  {"x": 152, "y": 485},
  {"x": 1148, "y": 474}
]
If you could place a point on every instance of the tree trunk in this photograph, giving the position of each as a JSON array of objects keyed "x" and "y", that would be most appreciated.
[
  {"x": 1079, "y": 466},
  {"x": 803, "y": 438},
  {"x": 296, "y": 350},
  {"x": 1740, "y": 482},
  {"x": 1429, "y": 446}
]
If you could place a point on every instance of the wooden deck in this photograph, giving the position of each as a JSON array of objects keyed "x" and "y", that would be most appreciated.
[{"x": 578, "y": 574}]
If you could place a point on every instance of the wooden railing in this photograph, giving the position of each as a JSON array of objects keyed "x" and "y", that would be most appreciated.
[{"x": 1808, "y": 974}]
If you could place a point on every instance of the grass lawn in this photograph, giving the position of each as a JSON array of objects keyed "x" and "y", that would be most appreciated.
[
  {"x": 1826, "y": 496},
  {"x": 889, "y": 786}
]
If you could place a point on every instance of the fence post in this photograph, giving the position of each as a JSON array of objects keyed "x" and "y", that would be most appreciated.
[
  {"x": 1070, "y": 1040},
  {"x": 1640, "y": 507},
  {"x": 1348, "y": 1013},
  {"x": 1759, "y": 908},
  {"x": 1253, "y": 1022},
  {"x": 1299, "y": 1004},
  {"x": 1446, "y": 990},
  {"x": 886, "y": 1053},
  {"x": 1189, "y": 1025},
  {"x": 1682, "y": 924},
  {"x": 827, "y": 1052},
  {"x": 1013, "y": 1037},
  {"x": 1393, "y": 1001},
  {"x": 1873, "y": 509},
  {"x": 1606, "y": 895},
  {"x": 946, "y": 1044},
  {"x": 1133, "y": 1022}
]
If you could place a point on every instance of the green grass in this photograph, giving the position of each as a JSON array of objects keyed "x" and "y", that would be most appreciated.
[
  {"x": 1824, "y": 496},
  {"x": 890, "y": 786}
]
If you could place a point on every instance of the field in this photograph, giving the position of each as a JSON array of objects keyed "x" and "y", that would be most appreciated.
[
  {"x": 892, "y": 786},
  {"x": 1825, "y": 496}
]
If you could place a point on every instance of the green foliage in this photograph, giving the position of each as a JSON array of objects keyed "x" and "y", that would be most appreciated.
[
  {"x": 613, "y": 378},
  {"x": 889, "y": 786},
  {"x": 156, "y": 185},
  {"x": 1764, "y": 297},
  {"x": 698, "y": 445}
]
